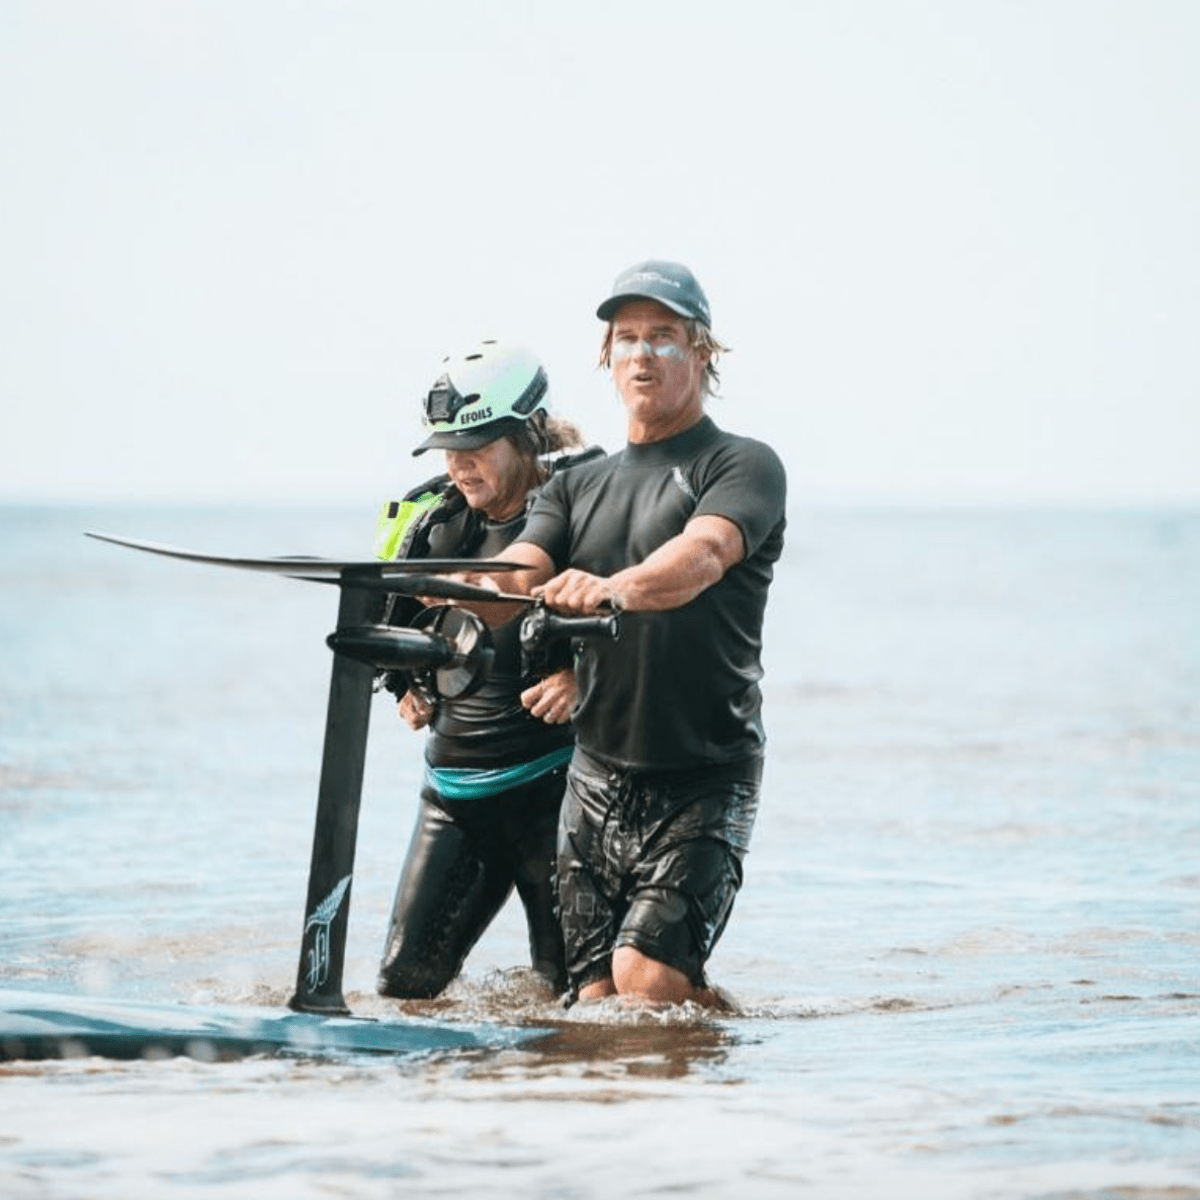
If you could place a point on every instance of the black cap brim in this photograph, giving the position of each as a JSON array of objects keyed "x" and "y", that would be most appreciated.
[
  {"x": 470, "y": 439},
  {"x": 609, "y": 308}
]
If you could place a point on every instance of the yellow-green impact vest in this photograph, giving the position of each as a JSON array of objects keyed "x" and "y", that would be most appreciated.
[{"x": 398, "y": 520}]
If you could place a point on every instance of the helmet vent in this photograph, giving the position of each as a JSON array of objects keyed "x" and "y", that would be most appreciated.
[{"x": 531, "y": 397}]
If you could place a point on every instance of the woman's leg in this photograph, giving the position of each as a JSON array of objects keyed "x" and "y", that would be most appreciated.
[{"x": 447, "y": 896}]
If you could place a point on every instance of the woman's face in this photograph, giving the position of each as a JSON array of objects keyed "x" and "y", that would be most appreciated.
[{"x": 494, "y": 479}]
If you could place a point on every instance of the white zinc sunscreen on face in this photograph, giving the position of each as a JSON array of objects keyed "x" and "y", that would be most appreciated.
[{"x": 633, "y": 349}]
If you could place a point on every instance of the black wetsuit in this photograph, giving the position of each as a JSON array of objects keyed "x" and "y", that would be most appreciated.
[
  {"x": 663, "y": 788},
  {"x": 467, "y": 854}
]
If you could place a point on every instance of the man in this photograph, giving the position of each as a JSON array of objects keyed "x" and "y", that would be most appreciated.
[{"x": 679, "y": 531}]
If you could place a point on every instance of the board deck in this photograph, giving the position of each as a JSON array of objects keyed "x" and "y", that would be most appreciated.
[{"x": 39, "y": 1025}]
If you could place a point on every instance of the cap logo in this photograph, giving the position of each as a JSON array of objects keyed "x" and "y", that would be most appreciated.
[
  {"x": 650, "y": 277},
  {"x": 671, "y": 284}
]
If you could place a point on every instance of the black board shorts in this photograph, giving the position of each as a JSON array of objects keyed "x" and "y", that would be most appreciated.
[{"x": 652, "y": 861}]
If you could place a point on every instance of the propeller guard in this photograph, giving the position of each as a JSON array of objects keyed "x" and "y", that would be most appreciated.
[{"x": 444, "y": 655}]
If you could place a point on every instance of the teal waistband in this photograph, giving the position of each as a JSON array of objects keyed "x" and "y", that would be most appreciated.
[{"x": 471, "y": 783}]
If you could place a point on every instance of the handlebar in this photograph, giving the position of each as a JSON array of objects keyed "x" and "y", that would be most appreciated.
[
  {"x": 540, "y": 627},
  {"x": 447, "y": 651}
]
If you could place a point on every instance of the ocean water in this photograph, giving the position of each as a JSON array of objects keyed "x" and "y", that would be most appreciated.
[{"x": 965, "y": 962}]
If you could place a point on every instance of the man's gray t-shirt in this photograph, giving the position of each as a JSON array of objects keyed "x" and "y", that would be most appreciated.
[{"x": 679, "y": 689}]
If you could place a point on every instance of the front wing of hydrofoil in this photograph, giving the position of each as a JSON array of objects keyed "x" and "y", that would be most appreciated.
[{"x": 320, "y": 570}]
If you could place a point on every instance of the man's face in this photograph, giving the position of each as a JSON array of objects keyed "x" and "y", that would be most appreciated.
[{"x": 657, "y": 371}]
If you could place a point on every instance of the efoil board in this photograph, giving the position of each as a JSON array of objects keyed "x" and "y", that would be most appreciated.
[{"x": 41, "y": 1025}]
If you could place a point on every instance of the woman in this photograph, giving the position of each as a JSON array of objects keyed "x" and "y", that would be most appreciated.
[{"x": 495, "y": 767}]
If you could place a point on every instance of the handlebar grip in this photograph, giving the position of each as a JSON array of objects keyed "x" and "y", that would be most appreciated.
[
  {"x": 583, "y": 626},
  {"x": 540, "y": 627}
]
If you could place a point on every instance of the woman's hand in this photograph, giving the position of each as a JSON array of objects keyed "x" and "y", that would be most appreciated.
[
  {"x": 415, "y": 711},
  {"x": 553, "y": 698}
]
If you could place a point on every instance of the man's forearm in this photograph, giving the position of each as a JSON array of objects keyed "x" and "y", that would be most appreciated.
[
  {"x": 680, "y": 569},
  {"x": 670, "y": 578}
]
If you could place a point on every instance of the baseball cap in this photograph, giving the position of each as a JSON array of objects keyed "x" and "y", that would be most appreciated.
[{"x": 669, "y": 283}]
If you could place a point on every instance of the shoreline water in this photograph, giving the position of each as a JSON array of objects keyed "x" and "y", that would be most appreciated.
[{"x": 965, "y": 956}]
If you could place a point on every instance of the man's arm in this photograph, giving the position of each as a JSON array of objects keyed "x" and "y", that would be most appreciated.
[
  {"x": 538, "y": 568},
  {"x": 675, "y": 574}
]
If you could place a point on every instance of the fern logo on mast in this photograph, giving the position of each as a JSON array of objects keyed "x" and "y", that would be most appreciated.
[{"x": 321, "y": 919}]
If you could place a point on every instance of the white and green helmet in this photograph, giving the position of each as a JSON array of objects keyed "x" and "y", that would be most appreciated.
[{"x": 492, "y": 390}]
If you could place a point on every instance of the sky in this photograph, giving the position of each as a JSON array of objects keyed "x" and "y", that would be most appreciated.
[{"x": 953, "y": 245}]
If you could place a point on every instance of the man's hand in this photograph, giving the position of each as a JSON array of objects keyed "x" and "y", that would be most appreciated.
[
  {"x": 578, "y": 594},
  {"x": 552, "y": 698}
]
